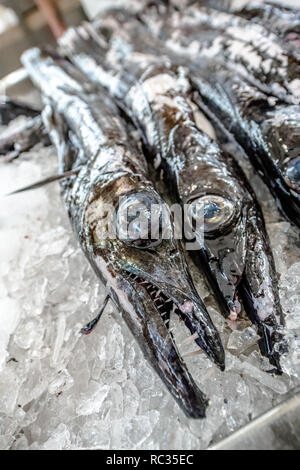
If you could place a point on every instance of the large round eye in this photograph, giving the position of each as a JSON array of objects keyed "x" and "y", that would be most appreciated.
[
  {"x": 211, "y": 212},
  {"x": 292, "y": 173},
  {"x": 139, "y": 220}
]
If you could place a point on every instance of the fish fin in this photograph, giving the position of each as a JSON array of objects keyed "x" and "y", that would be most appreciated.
[
  {"x": 89, "y": 327},
  {"x": 45, "y": 181}
]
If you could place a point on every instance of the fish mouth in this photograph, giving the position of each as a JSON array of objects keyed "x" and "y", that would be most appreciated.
[
  {"x": 223, "y": 259},
  {"x": 169, "y": 300}
]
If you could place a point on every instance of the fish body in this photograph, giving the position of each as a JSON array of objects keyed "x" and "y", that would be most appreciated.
[
  {"x": 269, "y": 134},
  {"x": 247, "y": 48},
  {"x": 282, "y": 20},
  {"x": 146, "y": 278},
  {"x": 253, "y": 117},
  {"x": 10, "y": 109},
  {"x": 157, "y": 96}
]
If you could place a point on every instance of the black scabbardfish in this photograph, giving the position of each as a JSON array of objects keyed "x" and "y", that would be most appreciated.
[
  {"x": 10, "y": 109},
  {"x": 282, "y": 20},
  {"x": 22, "y": 136},
  {"x": 146, "y": 277},
  {"x": 157, "y": 96}
]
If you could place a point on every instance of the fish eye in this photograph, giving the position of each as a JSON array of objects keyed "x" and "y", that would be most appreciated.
[
  {"x": 292, "y": 173},
  {"x": 215, "y": 212},
  {"x": 138, "y": 221}
]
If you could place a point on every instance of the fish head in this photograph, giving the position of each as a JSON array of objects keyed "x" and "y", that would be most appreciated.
[
  {"x": 282, "y": 130},
  {"x": 148, "y": 278},
  {"x": 219, "y": 224}
]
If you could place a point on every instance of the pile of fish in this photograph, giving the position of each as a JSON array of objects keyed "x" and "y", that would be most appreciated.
[{"x": 155, "y": 92}]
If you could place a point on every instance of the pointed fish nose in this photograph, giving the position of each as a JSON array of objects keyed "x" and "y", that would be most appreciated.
[{"x": 198, "y": 321}]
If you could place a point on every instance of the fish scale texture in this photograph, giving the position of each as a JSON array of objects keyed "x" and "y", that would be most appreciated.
[{"x": 60, "y": 390}]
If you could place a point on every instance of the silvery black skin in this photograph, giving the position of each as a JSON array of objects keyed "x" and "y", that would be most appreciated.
[
  {"x": 247, "y": 48},
  {"x": 270, "y": 135},
  {"x": 236, "y": 254},
  {"x": 145, "y": 279},
  {"x": 11, "y": 109},
  {"x": 23, "y": 137}
]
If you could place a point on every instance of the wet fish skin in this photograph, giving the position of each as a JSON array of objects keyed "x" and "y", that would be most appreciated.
[
  {"x": 10, "y": 109},
  {"x": 247, "y": 48},
  {"x": 280, "y": 19},
  {"x": 135, "y": 278},
  {"x": 237, "y": 259},
  {"x": 282, "y": 129},
  {"x": 157, "y": 97},
  {"x": 240, "y": 110}
]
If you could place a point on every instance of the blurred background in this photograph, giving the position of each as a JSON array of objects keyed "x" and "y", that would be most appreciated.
[{"x": 25, "y": 23}]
